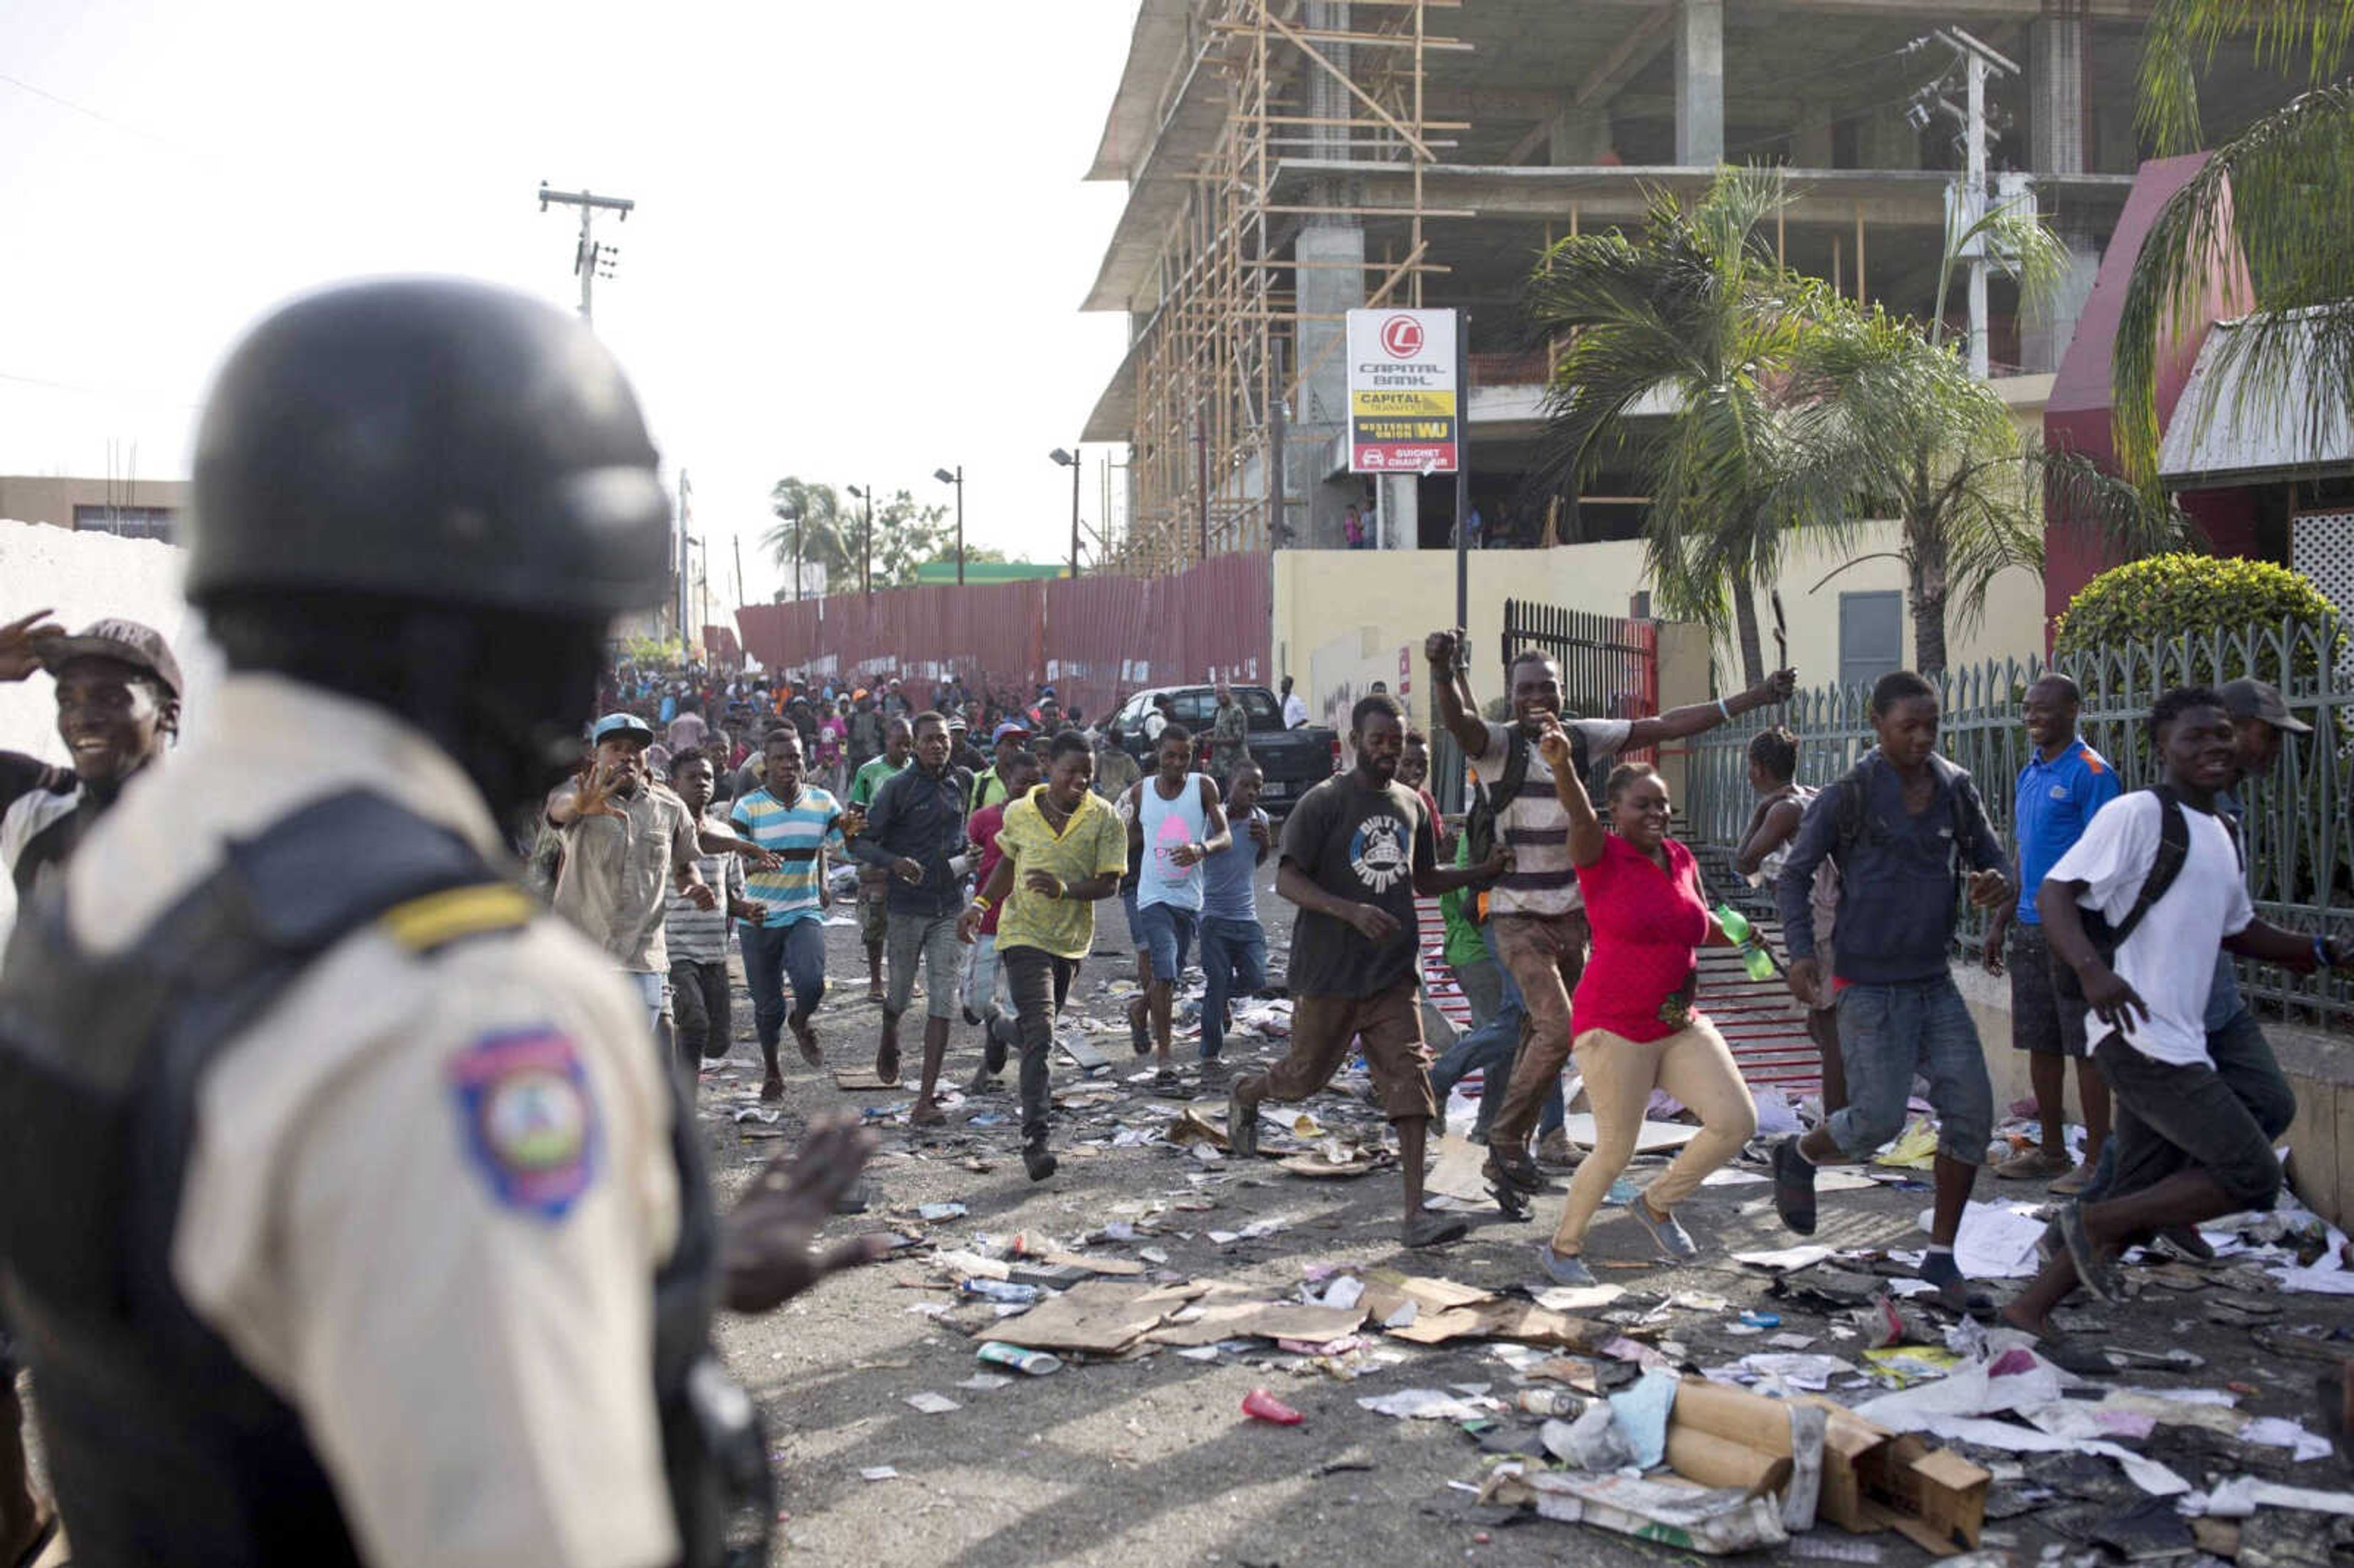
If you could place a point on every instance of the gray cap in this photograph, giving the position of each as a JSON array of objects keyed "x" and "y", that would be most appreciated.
[
  {"x": 2245, "y": 699},
  {"x": 125, "y": 641}
]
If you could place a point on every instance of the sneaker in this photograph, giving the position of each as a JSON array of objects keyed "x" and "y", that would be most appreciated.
[
  {"x": 1794, "y": 1186},
  {"x": 996, "y": 1040},
  {"x": 1571, "y": 1270},
  {"x": 2096, "y": 1270},
  {"x": 1038, "y": 1160},
  {"x": 1553, "y": 1150},
  {"x": 1167, "y": 1082},
  {"x": 1242, "y": 1125},
  {"x": 1667, "y": 1233},
  {"x": 2036, "y": 1164},
  {"x": 1427, "y": 1229}
]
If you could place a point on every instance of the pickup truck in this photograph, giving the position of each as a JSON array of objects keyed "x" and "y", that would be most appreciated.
[{"x": 1293, "y": 761}]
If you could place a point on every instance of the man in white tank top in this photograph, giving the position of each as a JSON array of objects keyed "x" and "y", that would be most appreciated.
[{"x": 1174, "y": 820}]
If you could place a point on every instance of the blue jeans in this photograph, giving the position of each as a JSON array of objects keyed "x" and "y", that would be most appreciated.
[
  {"x": 1490, "y": 1048},
  {"x": 774, "y": 954},
  {"x": 1168, "y": 934},
  {"x": 1886, "y": 1032},
  {"x": 1234, "y": 962}
]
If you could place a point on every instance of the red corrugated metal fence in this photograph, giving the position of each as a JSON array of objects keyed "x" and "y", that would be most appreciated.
[{"x": 1095, "y": 640}]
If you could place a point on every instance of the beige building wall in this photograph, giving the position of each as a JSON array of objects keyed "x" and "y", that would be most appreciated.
[
  {"x": 52, "y": 500},
  {"x": 1341, "y": 617}
]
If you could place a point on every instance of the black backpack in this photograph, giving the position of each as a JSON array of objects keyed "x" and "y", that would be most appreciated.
[
  {"x": 1480, "y": 832},
  {"x": 2173, "y": 851}
]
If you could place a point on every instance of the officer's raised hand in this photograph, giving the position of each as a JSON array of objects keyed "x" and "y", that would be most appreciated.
[{"x": 768, "y": 1244}]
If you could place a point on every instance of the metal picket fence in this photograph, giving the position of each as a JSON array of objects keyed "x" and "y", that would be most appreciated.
[{"x": 2300, "y": 822}]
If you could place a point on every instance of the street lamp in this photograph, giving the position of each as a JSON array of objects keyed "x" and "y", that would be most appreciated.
[
  {"x": 866, "y": 542},
  {"x": 795, "y": 514},
  {"x": 956, "y": 479},
  {"x": 1071, "y": 461}
]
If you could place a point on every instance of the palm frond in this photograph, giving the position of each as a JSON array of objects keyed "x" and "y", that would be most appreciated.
[
  {"x": 2183, "y": 35},
  {"x": 2278, "y": 198}
]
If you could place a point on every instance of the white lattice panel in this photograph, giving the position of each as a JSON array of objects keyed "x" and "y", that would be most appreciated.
[{"x": 2321, "y": 545}]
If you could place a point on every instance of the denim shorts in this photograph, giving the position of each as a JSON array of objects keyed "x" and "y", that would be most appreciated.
[
  {"x": 1889, "y": 1032},
  {"x": 1166, "y": 932}
]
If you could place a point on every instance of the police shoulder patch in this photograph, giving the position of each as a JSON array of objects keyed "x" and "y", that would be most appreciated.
[{"x": 528, "y": 1118}]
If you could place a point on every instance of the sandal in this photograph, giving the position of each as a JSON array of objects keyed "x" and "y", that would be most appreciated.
[
  {"x": 1167, "y": 1082},
  {"x": 1139, "y": 1033},
  {"x": 1513, "y": 1167},
  {"x": 886, "y": 1061}
]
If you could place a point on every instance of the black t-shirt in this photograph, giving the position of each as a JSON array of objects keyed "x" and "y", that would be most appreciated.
[{"x": 1365, "y": 846}]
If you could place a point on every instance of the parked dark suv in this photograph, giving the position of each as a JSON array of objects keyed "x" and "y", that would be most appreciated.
[{"x": 1292, "y": 759}]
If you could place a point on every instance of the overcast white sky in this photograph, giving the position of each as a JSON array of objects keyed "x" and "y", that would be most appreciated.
[{"x": 861, "y": 241}]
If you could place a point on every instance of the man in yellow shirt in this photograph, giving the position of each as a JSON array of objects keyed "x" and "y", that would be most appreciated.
[{"x": 1064, "y": 849}]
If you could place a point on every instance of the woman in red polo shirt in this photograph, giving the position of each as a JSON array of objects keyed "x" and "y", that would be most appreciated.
[{"x": 1633, "y": 1027}]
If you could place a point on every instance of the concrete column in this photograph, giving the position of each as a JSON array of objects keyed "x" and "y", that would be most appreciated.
[
  {"x": 2044, "y": 336},
  {"x": 1580, "y": 137},
  {"x": 1335, "y": 284},
  {"x": 2055, "y": 78},
  {"x": 1700, "y": 82},
  {"x": 1402, "y": 512},
  {"x": 1810, "y": 135}
]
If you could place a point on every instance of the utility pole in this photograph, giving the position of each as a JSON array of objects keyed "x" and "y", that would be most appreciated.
[
  {"x": 590, "y": 259},
  {"x": 1462, "y": 468},
  {"x": 1977, "y": 59},
  {"x": 738, "y": 540},
  {"x": 865, "y": 541}
]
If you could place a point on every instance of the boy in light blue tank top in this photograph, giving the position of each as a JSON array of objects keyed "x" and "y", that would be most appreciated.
[{"x": 1174, "y": 821}]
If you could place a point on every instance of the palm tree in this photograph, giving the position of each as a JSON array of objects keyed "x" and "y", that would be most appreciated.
[
  {"x": 1695, "y": 309},
  {"x": 812, "y": 529},
  {"x": 2277, "y": 195}
]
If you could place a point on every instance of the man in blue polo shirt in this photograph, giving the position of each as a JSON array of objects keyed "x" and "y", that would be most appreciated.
[{"x": 2062, "y": 785}]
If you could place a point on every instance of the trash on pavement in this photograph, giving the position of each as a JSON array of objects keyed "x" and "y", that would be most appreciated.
[
  {"x": 1036, "y": 1363},
  {"x": 1424, "y": 1404},
  {"x": 1261, "y": 1405},
  {"x": 1716, "y": 1521},
  {"x": 932, "y": 1403}
]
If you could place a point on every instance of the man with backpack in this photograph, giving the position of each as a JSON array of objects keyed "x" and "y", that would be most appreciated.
[
  {"x": 1902, "y": 824},
  {"x": 1540, "y": 921},
  {"x": 2133, "y": 909}
]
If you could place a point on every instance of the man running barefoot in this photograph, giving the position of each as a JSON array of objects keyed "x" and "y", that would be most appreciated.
[
  {"x": 874, "y": 899},
  {"x": 1355, "y": 851}
]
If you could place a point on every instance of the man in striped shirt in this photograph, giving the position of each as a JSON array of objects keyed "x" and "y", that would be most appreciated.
[{"x": 798, "y": 823}]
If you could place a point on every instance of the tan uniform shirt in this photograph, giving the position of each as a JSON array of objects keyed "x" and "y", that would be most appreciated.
[
  {"x": 617, "y": 873},
  {"x": 428, "y": 1194}
]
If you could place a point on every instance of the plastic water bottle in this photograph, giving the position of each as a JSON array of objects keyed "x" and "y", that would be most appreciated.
[
  {"x": 1754, "y": 956},
  {"x": 999, "y": 1290}
]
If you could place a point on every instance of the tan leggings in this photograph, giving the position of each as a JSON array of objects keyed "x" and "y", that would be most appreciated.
[{"x": 1695, "y": 1066}]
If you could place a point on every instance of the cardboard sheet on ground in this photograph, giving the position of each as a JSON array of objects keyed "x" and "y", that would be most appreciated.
[
  {"x": 1386, "y": 1291},
  {"x": 1262, "y": 1320},
  {"x": 1101, "y": 1317},
  {"x": 860, "y": 1078},
  {"x": 1697, "y": 1518},
  {"x": 1521, "y": 1320},
  {"x": 1649, "y": 1138}
]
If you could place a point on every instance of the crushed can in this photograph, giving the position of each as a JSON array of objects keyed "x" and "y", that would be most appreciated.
[
  {"x": 1036, "y": 1363},
  {"x": 1557, "y": 1404}
]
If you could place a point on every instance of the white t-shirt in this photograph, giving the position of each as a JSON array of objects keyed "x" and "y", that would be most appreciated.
[
  {"x": 1294, "y": 712},
  {"x": 1535, "y": 827},
  {"x": 2169, "y": 958}
]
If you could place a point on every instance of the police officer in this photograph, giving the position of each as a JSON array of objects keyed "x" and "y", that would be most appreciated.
[{"x": 346, "y": 1213}]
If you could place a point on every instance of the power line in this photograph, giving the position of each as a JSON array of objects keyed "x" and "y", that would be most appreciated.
[
  {"x": 84, "y": 109},
  {"x": 141, "y": 395}
]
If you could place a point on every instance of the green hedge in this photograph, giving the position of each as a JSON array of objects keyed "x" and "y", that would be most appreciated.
[{"x": 2165, "y": 597}]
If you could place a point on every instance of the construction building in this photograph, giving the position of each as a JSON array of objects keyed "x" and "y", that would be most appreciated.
[{"x": 1289, "y": 160}]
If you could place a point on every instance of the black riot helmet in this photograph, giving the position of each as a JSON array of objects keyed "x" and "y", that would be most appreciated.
[
  {"x": 428, "y": 438},
  {"x": 434, "y": 496}
]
